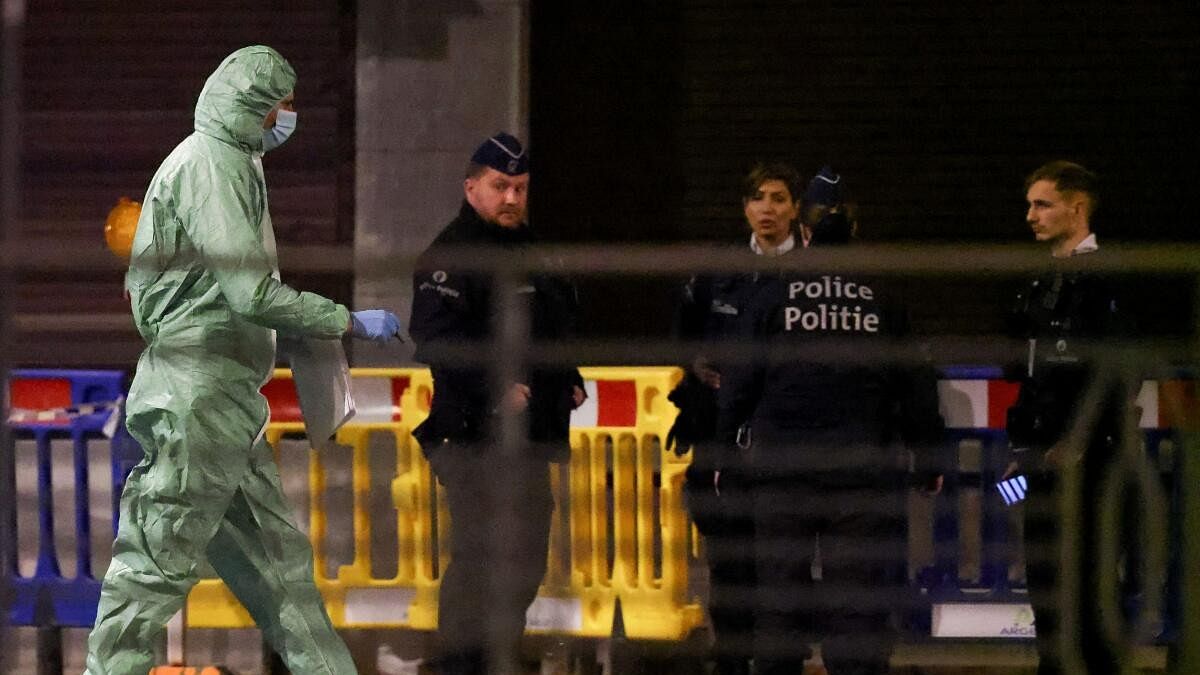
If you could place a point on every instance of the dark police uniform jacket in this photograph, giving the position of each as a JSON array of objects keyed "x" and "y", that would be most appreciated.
[
  {"x": 712, "y": 304},
  {"x": 711, "y": 308},
  {"x": 836, "y": 394},
  {"x": 453, "y": 309},
  {"x": 1057, "y": 313}
]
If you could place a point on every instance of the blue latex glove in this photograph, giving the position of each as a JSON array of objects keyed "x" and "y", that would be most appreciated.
[{"x": 379, "y": 325}]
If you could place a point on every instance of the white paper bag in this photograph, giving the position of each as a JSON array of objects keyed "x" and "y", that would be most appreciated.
[{"x": 322, "y": 378}]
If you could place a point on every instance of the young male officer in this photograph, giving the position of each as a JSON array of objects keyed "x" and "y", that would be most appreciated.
[{"x": 1056, "y": 313}]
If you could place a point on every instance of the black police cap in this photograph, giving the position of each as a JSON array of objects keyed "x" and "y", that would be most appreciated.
[{"x": 502, "y": 152}]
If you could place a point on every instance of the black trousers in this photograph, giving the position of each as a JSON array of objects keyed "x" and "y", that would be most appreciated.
[
  {"x": 500, "y": 512},
  {"x": 726, "y": 519},
  {"x": 861, "y": 532}
]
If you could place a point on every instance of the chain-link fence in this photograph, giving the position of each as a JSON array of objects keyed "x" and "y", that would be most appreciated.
[{"x": 1119, "y": 527}]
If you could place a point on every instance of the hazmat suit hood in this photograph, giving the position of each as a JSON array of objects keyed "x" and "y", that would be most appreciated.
[{"x": 239, "y": 94}]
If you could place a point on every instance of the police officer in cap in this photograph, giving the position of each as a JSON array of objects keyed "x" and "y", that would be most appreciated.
[
  {"x": 824, "y": 416},
  {"x": 826, "y": 214},
  {"x": 500, "y": 506}
]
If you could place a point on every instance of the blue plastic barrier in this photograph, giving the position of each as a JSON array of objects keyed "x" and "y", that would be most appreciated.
[
  {"x": 983, "y": 397},
  {"x": 979, "y": 418},
  {"x": 47, "y": 598}
]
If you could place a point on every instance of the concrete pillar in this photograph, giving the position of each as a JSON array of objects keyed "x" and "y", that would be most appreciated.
[{"x": 433, "y": 80}]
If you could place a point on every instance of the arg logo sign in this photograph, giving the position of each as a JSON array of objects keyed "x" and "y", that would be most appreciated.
[
  {"x": 983, "y": 620},
  {"x": 1022, "y": 625}
]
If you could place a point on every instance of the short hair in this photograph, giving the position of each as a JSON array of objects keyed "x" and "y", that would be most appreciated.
[
  {"x": 762, "y": 172},
  {"x": 475, "y": 169},
  {"x": 1068, "y": 177}
]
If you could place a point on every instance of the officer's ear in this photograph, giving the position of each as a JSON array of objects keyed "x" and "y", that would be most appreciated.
[
  {"x": 1078, "y": 203},
  {"x": 469, "y": 187}
]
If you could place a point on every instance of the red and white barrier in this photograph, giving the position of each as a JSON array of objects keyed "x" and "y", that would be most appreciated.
[
  {"x": 376, "y": 398},
  {"x": 610, "y": 403},
  {"x": 983, "y": 404}
]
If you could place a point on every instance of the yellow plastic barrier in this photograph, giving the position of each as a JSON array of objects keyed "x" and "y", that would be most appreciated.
[
  {"x": 624, "y": 535},
  {"x": 637, "y": 550}
]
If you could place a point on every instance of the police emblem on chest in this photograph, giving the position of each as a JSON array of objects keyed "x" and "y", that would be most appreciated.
[{"x": 720, "y": 307}]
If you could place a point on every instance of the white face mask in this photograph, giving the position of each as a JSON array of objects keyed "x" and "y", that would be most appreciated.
[{"x": 285, "y": 124}]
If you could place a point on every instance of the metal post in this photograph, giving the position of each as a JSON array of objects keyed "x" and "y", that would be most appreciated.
[
  {"x": 13, "y": 17},
  {"x": 1185, "y": 656},
  {"x": 1130, "y": 469},
  {"x": 49, "y": 650},
  {"x": 510, "y": 322},
  {"x": 49, "y": 635}
]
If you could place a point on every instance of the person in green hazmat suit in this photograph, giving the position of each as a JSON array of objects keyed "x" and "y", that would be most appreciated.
[{"x": 205, "y": 292}]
